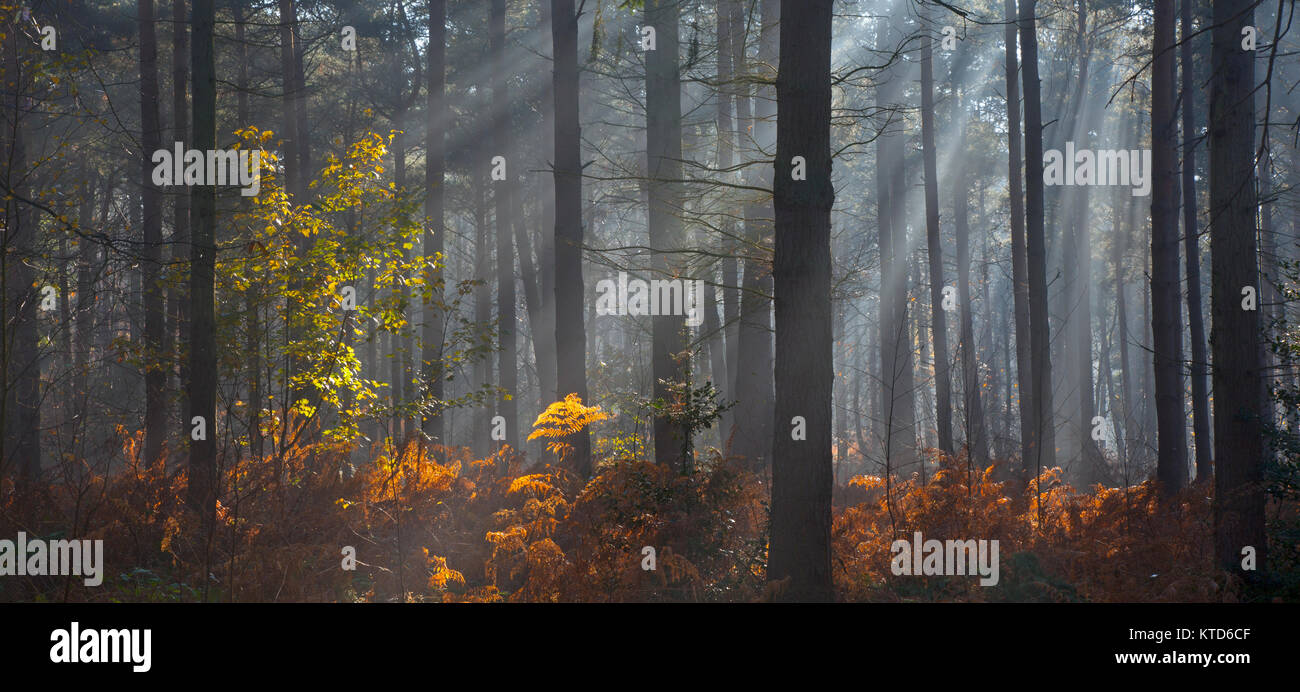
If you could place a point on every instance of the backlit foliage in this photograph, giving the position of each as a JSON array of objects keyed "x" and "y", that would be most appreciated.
[
  {"x": 1107, "y": 544},
  {"x": 562, "y": 419},
  {"x": 431, "y": 523}
]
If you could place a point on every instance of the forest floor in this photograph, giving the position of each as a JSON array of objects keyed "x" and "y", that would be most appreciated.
[{"x": 430, "y": 523}]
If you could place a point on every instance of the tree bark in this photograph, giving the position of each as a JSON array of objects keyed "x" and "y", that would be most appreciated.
[
  {"x": 203, "y": 357},
  {"x": 802, "y": 473},
  {"x": 1122, "y": 420},
  {"x": 664, "y": 156},
  {"x": 482, "y": 425},
  {"x": 938, "y": 318},
  {"x": 570, "y": 328},
  {"x": 155, "y": 376},
  {"x": 1043, "y": 455},
  {"x": 977, "y": 433},
  {"x": 722, "y": 343},
  {"x": 21, "y": 369},
  {"x": 432, "y": 329},
  {"x": 1192, "y": 260},
  {"x": 1236, "y": 334},
  {"x": 753, "y": 413},
  {"x": 1019, "y": 262},
  {"x": 1166, "y": 291},
  {"x": 507, "y": 354},
  {"x": 177, "y": 298}
]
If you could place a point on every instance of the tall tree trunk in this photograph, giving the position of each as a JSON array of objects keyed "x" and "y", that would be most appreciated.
[
  {"x": 295, "y": 145},
  {"x": 1166, "y": 292},
  {"x": 481, "y": 427},
  {"x": 1149, "y": 421},
  {"x": 664, "y": 154},
  {"x": 1076, "y": 333},
  {"x": 203, "y": 356},
  {"x": 938, "y": 320},
  {"x": 155, "y": 376},
  {"x": 753, "y": 413},
  {"x": 977, "y": 433},
  {"x": 717, "y": 350},
  {"x": 21, "y": 356},
  {"x": 544, "y": 334},
  {"x": 1122, "y": 420},
  {"x": 177, "y": 300},
  {"x": 1019, "y": 262},
  {"x": 1236, "y": 334},
  {"x": 722, "y": 342},
  {"x": 508, "y": 376},
  {"x": 432, "y": 331},
  {"x": 570, "y": 329},
  {"x": 840, "y": 382},
  {"x": 1043, "y": 455},
  {"x": 532, "y": 291},
  {"x": 1200, "y": 369},
  {"x": 802, "y": 474},
  {"x": 540, "y": 319},
  {"x": 1270, "y": 299},
  {"x": 542, "y": 316}
]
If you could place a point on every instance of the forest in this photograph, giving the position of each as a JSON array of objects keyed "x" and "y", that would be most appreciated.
[{"x": 649, "y": 300}]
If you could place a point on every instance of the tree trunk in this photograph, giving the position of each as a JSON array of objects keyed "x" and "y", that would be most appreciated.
[
  {"x": 21, "y": 355},
  {"x": 155, "y": 376},
  {"x": 1236, "y": 333},
  {"x": 203, "y": 356},
  {"x": 432, "y": 331},
  {"x": 1166, "y": 292},
  {"x": 544, "y": 334},
  {"x": 722, "y": 342},
  {"x": 252, "y": 304},
  {"x": 482, "y": 426},
  {"x": 1239, "y": 399},
  {"x": 177, "y": 298},
  {"x": 1200, "y": 369},
  {"x": 1019, "y": 263},
  {"x": 938, "y": 320},
  {"x": 1122, "y": 417},
  {"x": 508, "y": 371},
  {"x": 570, "y": 329},
  {"x": 977, "y": 433},
  {"x": 1043, "y": 455},
  {"x": 664, "y": 154},
  {"x": 753, "y": 413},
  {"x": 295, "y": 170},
  {"x": 802, "y": 474}
]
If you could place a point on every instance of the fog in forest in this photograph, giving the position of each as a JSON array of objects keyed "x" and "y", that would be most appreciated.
[{"x": 508, "y": 290}]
